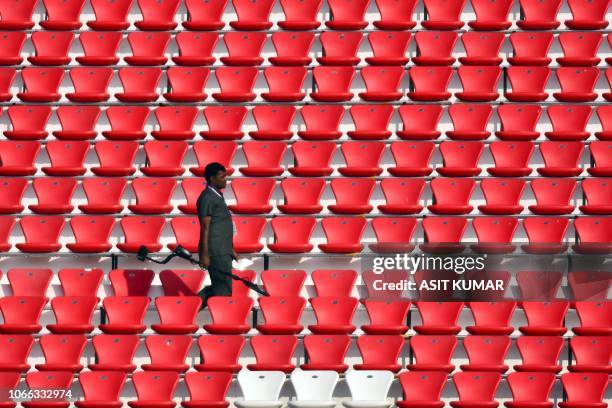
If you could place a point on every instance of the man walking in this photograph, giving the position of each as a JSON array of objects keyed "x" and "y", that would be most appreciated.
[{"x": 216, "y": 233}]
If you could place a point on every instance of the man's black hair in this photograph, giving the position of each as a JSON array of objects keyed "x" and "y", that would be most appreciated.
[{"x": 212, "y": 169}]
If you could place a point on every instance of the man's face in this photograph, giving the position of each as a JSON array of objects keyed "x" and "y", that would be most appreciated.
[{"x": 220, "y": 180}]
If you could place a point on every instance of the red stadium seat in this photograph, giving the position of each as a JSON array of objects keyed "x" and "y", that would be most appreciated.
[
  {"x": 539, "y": 285},
  {"x": 263, "y": 158},
  {"x": 12, "y": 189},
  {"x": 301, "y": 195},
  {"x": 292, "y": 48},
  {"x": 252, "y": 195},
  {"x": 495, "y": 234},
  {"x": 394, "y": 17},
  {"x": 419, "y": 122},
  {"x": 379, "y": 352},
  {"x": 300, "y": 15},
  {"x": 592, "y": 354},
  {"x": 6, "y": 227},
  {"x": 248, "y": 234},
  {"x": 511, "y": 159},
  {"x": 530, "y": 48},
  {"x": 186, "y": 234},
  {"x": 491, "y": 318},
  {"x": 312, "y": 159},
  {"x": 147, "y": 48},
  {"x": 236, "y": 84},
  {"x": 273, "y": 352},
  {"x": 131, "y": 282},
  {"x": 125, "y": 315},
  {"x": 482, "y": 48},
  {"x": 186, "y": 84},
  {"x": 152, "y": 195},
  {"x": 14, "y": 352},
  {"x": 486, "y": 353},
  {"x": 192, "y": 188},
  {"x": 362, "y": 158},
  {"x": 224, "y": 122},
  {"x": 539, "y": 353},
  {"x": 281, "y": 314},
  {"x": 388, "y": 48},
  {"x": 204, "y": 16},
  {"x": 601, "y": 157},
  {"x": 21, "y": 314},
  {"x": 220, "y": 352},
  {"x": 326, "y": 352},
  {"x": 175, "y": 122},
  {"x": 352, "y": 195},
  {"x": 432, "y": 353},
  {"x": 443, "y": 234},
  {"x": 100, "y": 48},
  {"x": 252, "y": 16},
  {"x": 438, "y": 317},
  {"x": 207, "y": 389},
  {"x": 422, "y": 389},
  {"x": 587, "y": 15},
  {"x": 347, "y": 15},
  {"x": 167, "y": 352},
  {"x": 41, "y": 233},
  {"x": 539, "y": 15},
  {"x": 544, "y": 318},
  {"x": 386, "y": 317},
  {"x": 411, "y": 159},
  {"x": 103, "y": 195},
  {"x": 101, "y": 389},
  {"x": 78, "y": 122},
  {"x": 321, "y": 122},
  {"x": 17, "y": 17},
  {"x": 594, "y": 318},
  {"x": 55, "y": 380},
  {"x": 141, "y": 231},
  {"x": 577, "y": 84},
  {"x": 28, "y": 122},
  {"x": 41, "y": 84},
  {"x": 402, "y": 196},
  {"x": 430, "y": 83},
  {"x": 273, "y": 122},
  {"x": 597, "y": 194},
  {"x": 334, "y": 282},
  {"x": 209, "y": 151},
  {"x": 29, "y": 281},
  {"x": 334, "y": 315},
  {"x": 569, "y": 122},
  {"x": 80, "y": 282},
  {"x": 139, "y": 84},
  {"x": 292, "y": 234},
  {"x": 469, "y": 121},
  {"x": 518, "y": 122},
  {"x": 491, "y": 17},
  {"x": 12, "y": 44},
  {"x": 340, "y": 48},
  {"x": 114, "y": 352},
  {"x": 62, "y": 16},
  {"x": 91, "y": 234},
  {"x": 528, "y": 84},
  {"x": 7, "y": 75},
  {"x": 51, "y": 48},
  {"x": 553, "y": 196},
  {"x": 561, "y": 159},
  {"x": 530, "y": 388},
  {"x": 594, "y": 235},
  {"x": 164, "y": 158},
  {"x": 460, "y": 159},
  {"x": 229, "y": 315},
  {"x": 62, "y": 352},
  {"x": 157, "y": 15},
  {"x": 244, "y": 49},
  {"x": 393, "y": 234},
  {"x": 67, "y": 158},
  {"x": 281, "y": 282},
  {"x": 545, "y": 235},
  {"x": 332, "y": 83},
  {"x": 196, "y": 48},
  {"x": 476, "y": 389},
  {"x": 579, "y": 49},
  {"x": 154, "y": 389},
  {"x": 584, "y": 389},
  {"x": 284, "y": 84},
  {"x": 382, "y": 83},
  {"x": 451, "y": 196},
  {"x": 127, "y": 122},
  {"x": 442, "y": 15},
  {"x": 479, "y": 83}
]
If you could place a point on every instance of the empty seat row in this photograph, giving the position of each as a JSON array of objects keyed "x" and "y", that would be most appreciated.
[
  {"x": 168, "y": 352},
  {"x": 311, "y": 159},
  {"x": 546, "y": 235},
  {"x": 331, "y": 84},
  {"x": 320, "y": 122},
  {"x": 440, "y": 15},
  {"x": 303, "y": 196},
  {"x": 388, "y": 48}
]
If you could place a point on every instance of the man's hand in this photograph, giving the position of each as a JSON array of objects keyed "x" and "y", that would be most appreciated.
[
  {"x": 235, "y": 255},
  {"x": 205, "y": 261}
]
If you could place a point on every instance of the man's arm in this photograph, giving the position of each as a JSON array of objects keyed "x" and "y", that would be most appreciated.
[{"x": 203, "y": 245}]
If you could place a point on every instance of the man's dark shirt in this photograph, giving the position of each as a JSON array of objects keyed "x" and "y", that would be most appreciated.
[{"x": 211, "y": 204}]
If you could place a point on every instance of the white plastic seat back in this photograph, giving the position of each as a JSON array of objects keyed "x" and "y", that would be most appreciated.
[
  {"x": 314, "y": 385},
  {"x": 261, "y": 385},
  {"x": 369, "y": 385}
]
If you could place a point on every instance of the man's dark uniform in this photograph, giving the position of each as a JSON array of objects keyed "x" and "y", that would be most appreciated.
[{"x": 211, "y": 204}]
